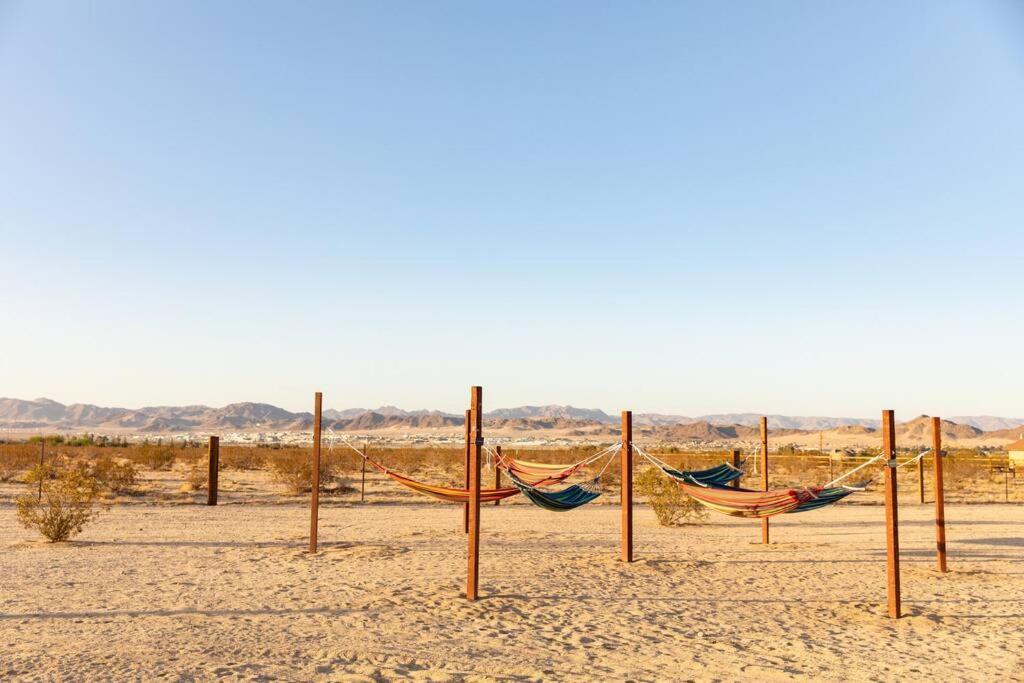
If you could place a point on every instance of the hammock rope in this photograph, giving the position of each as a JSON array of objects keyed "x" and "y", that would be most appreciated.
[
  {"x": 717, "y": 475},
  {"x": 544, "y": 474}
]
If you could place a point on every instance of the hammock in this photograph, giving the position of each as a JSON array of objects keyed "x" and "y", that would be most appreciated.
[
  {"x": 717, "y": 475},
  {"x": 567, "y": 499},
  {"x": 538, "y": 473},
  {"x": 444, "y": 493},
  {"x": 746, "y": 503}
]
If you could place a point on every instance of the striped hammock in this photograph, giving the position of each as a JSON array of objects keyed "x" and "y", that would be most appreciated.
[
  {"x": 746, "y": 503},
  {"x": 567, "y": 499},
  {"x": 713, "y": 476},
  {"x": 449, "y": 495},
  {"x": 537, "y": 473}
]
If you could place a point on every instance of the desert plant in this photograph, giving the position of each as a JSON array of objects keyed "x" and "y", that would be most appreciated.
[
  {"x": 294, "y": 469},
  {"x": 114, "y": 476},
  {"x": 66, "y": 506},
  {"x": 157, "y": 457},
  {"x": 671, "y": 506},
  {"x": 242, "y": 458},
  {"x": 197, "y": 476}
]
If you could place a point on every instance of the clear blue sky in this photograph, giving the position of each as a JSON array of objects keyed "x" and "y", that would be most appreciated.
[{"x": 787, "y": 207}]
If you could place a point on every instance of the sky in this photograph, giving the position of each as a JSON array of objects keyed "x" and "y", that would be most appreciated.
[{"x": 681, "y": 207}]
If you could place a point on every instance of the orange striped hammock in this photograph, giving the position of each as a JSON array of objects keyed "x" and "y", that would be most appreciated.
[
  {"x": 449, "y": 495},
  {"x": 538, "y": 473},
  {"x": 745, "y": 503}
]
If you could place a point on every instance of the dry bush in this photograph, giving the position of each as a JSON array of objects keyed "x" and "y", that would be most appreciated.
[
  {"x": 15, "y": 458},
  {"x": 197, "y": 476},
  {"x": 242, "y": 458},
  {"x": 116, "y": 477},
  {"x": 157, "y": 457},
  {"x": 66, "y": 506},
  {"x": 671, "y": 506},
  {"x": 294, "y": 469}
]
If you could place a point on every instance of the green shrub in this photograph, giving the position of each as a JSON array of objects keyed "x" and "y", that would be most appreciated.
[
  {"x": 116, "y": 477},
  {"x": 671, "y": 506},
  {"x": 65, "y": 508}
]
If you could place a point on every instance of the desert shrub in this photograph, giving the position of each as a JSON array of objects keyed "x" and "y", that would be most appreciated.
[
  {"x": 66, "y": 506},
  {"x": 671, "y": 506},
  {"x": 197, "y": 476},
  {"x": 294, "y": 469},
  {"x": 114, "y": 476},
  {"x": 157, "y": 457},
  {"x": 242, "y": 458},
  {"x": 16, "y": 458}
]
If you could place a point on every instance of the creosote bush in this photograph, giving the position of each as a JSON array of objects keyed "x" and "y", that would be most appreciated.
[
  {"x": 671, "y": 506},
  {"x": 116, "y": 477},
  {"x": 66, "y": 506}
]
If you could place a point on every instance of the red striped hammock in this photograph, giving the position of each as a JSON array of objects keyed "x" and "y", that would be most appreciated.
[
  {"x": 538, "y": 473},
  {"x": 449, "y": 495},
  {"x": 741, "y": 503}
]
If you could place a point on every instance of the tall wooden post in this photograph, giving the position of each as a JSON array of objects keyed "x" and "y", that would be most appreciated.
[
  {"x": 920, "y": 481},
  {"x": 626, "y": 498},
  {"x": 473, "y": 569},
  {"x": 314, "y": 498},
  {"x": 736, "y": 464},
  {"x": 497, "y": 473},
  {"x": 213, "y": 451},
  {"x": 764, "y": 475},
  {"x": 362, "y": 484},
  {"x": 892, "y": 532},
  {"x": 940, "y": 504},
  {"x": 465, "y": 471},
  {"x": 42, "y": 473}
]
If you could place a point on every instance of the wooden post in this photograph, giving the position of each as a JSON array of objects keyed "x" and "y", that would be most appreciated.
[
  {"x": 736, "y": 464},
  {"x": 940, "y": 504},
  {"x": 764, "y": 475},
  {"x": 314, "y": 499},
  {"x": 497, "y": 473},
  {"x": 473, "y": 569},
  {"x": 362, "y": 485},
  {"x": 626, "y": 496},
  {"x": 213, "y": 451},
  {"x": 892, "y": 532},
  {"x": 920, "y": 481},
  {"x": 465, "y": 471},
  {"x": 42, "y": 474}
]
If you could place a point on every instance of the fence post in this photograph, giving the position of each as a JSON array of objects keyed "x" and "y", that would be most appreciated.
[
  {"x": 362, "y": 485},
  {"x": 736, "y": 464},
  {"x": 213, "y": 451},
  {"x": 465, "y": 506},
  {"x": 920, "y": 481},
  {"x": 940, "y": 505},
  {"x": 497, "y": 473},
  {"x": 42, "y": 474},
  {"x": 892, "y": 535},
  {"x": 473, "y": 573},
  {"x": 626, "y": 496},
  {"x": 314, "y": 498},
  {"x": 764, "y": 475}
]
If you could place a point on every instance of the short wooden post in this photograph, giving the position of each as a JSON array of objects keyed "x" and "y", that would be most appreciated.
[
  {"x": 736, "y": 464},
  {"x": 42, "y": 474},
  {"x": 764, "y": 475},
  {"x": 473, "y": 569},
  {"x": 892, "y": 532},
  {"x": 314, "y": 498},
  {"x": 626, "y": 496},
  {"x": 940, "y": 504},
  {"x": 497, "y": 473},
  {"x": 465, "y": 471},
  {"x": 362, "y": 484},
  {"x": 920, "y": 481},
  {"x": 213, "y": 451}
]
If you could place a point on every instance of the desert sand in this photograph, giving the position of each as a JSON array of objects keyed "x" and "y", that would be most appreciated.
[{"x": 195, "y": 592}]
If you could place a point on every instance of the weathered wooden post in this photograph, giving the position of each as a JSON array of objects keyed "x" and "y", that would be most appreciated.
[
  {"x": 362, "y": 485},
  {"x": 42, "y": 474},
  {"x": 465, "y": 506},
  {"x": 764, "y": 474},
  {"x": 626, "y": 496},
  {"x": 476, "y": 416},
  {"x": 736, "y": 464},
  {"x": 892, "y": 532},
  {"x": 497, "y": 473},
  {"x": 314, "y": 498},
  {"x": 213, "y": 451},
  {"x": 920, "y": 481},
  {"x": 940, "y": 504}
]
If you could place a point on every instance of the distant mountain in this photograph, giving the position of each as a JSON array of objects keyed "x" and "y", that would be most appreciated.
[
  {"x": 988, "y": 423},
  {"x": 552, "y": 412},
  {"x": 787, "y": 422}
]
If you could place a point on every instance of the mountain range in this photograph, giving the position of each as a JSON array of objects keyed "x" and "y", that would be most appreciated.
[{"x": 47, "y": 414}]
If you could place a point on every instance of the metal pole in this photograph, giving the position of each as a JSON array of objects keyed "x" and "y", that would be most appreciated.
[
  {"x": 764, "y": 475},
  {"x": 892, "y": 535},
  {"x": 213, "y": 451},
  {"x": 362, "y": 485},
  {"x": 465, "y": 471},
  {"x": 626, "y": 496},
  {"x": 314, "y": 499},
  {"x": 473, "y": 569},
  {"x": 497, "y": 473},
  {"x": 736, "y": 464},
  {"x": 940, "y": 505}
]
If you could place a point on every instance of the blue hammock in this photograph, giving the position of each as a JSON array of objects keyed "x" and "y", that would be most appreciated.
[
  {"x": 567, "y": 499},
  {"x": 719, "y": 475}
]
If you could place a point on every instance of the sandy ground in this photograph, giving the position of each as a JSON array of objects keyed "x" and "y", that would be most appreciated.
[{"x": 195, "y": 593}]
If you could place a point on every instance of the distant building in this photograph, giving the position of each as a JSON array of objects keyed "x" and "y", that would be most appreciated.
[{"x": 1016, "y": 452}]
